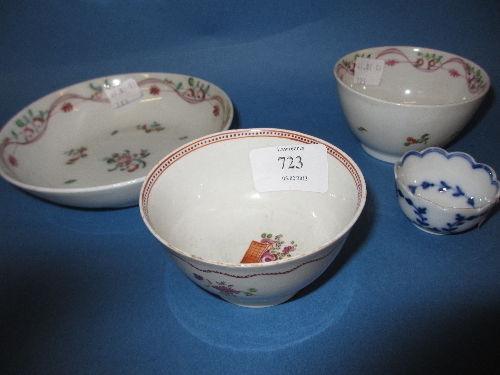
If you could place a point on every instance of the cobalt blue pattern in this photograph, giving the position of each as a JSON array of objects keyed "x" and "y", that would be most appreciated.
[
  {"x": 422, "y": 221},
  {"x": 459, "y": 220},
  {"x": 443, "y": 187},
  {"x": 450, "y": 155}
]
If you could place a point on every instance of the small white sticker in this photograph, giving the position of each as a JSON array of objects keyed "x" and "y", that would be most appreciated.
[
  {"x": 294, "y": 167},
  {"x": 368, "y": 71},
  {"x": 124, "y": 93}
]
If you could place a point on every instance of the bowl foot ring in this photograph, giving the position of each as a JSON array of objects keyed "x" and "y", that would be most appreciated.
[{"x": 258, "y": 303}]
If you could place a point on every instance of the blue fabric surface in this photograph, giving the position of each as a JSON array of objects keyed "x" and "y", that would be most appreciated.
[{"x": 92, "y": 292}]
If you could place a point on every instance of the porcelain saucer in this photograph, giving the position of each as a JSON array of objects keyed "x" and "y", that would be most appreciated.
[{"x": 74, "y": 147}]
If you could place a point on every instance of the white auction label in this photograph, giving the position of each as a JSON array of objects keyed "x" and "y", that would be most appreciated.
[
  {"x": 294, "y": 167},
  {"x": 368, "y": 71},
  {"x": 124, "y": 93}
]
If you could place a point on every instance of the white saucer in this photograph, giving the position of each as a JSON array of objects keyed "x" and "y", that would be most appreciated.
[{"x": 75, "y": 148}]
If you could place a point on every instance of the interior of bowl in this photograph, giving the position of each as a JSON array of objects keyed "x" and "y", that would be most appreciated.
[
  {"x": 202, "y": 201},
  {"x": 448, "y": 179},
  {"x": 417, "y": 76},
  {"x": 76, "y": 139}
]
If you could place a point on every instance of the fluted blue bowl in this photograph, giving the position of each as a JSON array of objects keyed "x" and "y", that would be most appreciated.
[{"x": 444, "y": 192}]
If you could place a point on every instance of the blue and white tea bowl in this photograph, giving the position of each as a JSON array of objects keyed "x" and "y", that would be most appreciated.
[{"x": 444, "y": 192}]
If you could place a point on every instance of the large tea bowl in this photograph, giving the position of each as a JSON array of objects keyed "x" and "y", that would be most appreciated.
[
  {"x": 424, "y": 99},
  {"x": 251, "y": 248},
  {"x": 445, "y": 193}
]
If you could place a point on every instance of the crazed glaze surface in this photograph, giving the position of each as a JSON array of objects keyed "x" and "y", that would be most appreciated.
[
  {"x": 73, "y": 147},
  {"x": 443, "y": 192},
  {"x": 201, "y": 203},
  {"x": 424, "y": 99}
]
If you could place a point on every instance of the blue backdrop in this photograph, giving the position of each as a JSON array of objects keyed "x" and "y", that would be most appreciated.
[{"x": 92, "y": 292}]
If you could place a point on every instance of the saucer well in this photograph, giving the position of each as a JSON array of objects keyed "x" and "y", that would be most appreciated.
[{"x": 78, "y": 147}]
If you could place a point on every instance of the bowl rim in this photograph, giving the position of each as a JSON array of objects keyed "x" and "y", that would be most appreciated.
[
  {"x": 450, "y": 155},
  {"x": 410, "y": 105},
  {"x": 248, "y": 133},
  {"x": 69, "y": 191}
]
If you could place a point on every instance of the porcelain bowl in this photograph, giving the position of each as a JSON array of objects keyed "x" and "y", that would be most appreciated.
[
  {"x": 445, "y": 193},
  {"x": 424, "y": 99},
  {"x": 251, "y": 248},
  {"x": 75, "y": 147}
]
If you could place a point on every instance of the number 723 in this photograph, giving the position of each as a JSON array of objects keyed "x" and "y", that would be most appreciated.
[{"x": 291, "y": 162}]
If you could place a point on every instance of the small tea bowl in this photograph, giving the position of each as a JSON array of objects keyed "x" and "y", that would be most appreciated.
[
  {"x": 251, "y": 247},
  {"x": 445, "y": 192},
  {"x": 425, "y": 97}
]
